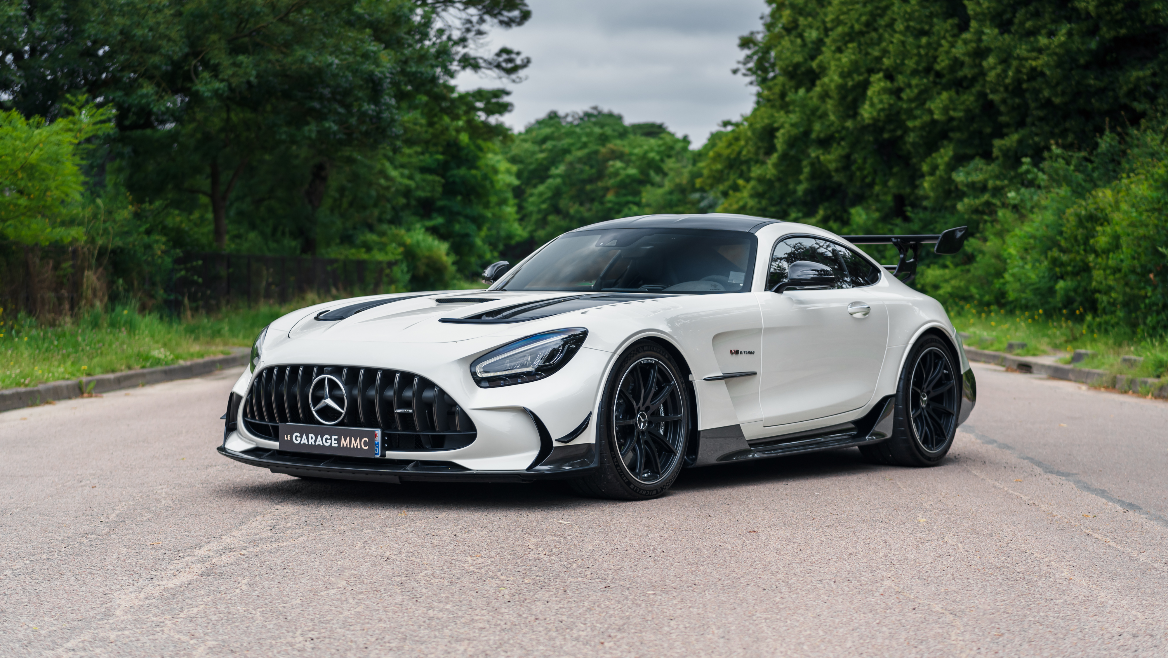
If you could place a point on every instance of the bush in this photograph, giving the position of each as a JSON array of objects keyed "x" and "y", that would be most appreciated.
[{"x": 1083, "y": 233}]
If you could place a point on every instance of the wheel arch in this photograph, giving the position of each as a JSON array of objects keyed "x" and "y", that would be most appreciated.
[
  {"x": 691, "y": 452},
  {"x": 931, "y": 329},
  {"x": 667, "y": 344}
]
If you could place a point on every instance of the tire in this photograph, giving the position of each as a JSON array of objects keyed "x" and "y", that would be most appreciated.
[
  {"x": 924, "y": 420},
  {"x": 642, "y": 428}
]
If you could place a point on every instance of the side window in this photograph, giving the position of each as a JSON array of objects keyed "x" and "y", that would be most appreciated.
[
  {"x": 861, "y": 271},
  {"x": 804, "y": 248}
]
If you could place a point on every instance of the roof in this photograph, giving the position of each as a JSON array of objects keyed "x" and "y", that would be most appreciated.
[{"x": 720, "y": 221}]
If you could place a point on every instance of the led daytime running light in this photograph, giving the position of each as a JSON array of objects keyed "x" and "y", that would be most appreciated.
[
  {"x": 529, "y": 359},
  {"x": 481, "y": 369}
]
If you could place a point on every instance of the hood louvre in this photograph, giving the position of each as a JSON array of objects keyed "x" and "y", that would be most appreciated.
[
  {"x": 519, "y": 313},
  {"x": 329, "y": 315}
]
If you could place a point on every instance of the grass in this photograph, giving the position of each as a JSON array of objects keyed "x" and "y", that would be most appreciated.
[
  {"x": 120, "y": 339},
  {"x": 991, "y": 328}
]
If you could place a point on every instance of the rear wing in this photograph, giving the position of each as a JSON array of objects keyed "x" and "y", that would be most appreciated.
[{"x": 947, "y": 242}]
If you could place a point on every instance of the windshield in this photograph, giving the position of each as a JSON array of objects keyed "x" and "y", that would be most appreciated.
[{"x": 640, "y": 261}]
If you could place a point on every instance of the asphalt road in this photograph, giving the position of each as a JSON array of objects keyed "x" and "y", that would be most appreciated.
[{"x": 122, "y": 532}]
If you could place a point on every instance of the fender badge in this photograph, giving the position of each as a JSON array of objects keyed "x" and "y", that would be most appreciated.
[{"x": 743, "y": 352}]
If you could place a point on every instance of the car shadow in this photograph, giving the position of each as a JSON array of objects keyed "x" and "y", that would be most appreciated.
[
  {"x": 807, "y": 466},
  {"x": 465, "y": 496},
  {"x": 550, "y": 495}
]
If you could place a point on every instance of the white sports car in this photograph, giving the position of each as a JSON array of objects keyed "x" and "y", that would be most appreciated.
[{"x": 614, "y": 356}]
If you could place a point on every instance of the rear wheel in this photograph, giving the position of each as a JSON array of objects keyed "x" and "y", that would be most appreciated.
[
  {"x": 926, "y": 409},
  {"x": 642, "y": 427}
]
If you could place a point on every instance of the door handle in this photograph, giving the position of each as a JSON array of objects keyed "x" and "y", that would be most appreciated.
[{"x": 858, "y": 309}]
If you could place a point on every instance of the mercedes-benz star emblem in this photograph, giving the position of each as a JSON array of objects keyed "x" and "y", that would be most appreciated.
[
  {"x": 321, "y": 399},
  {"x": 643, "y": 420}
]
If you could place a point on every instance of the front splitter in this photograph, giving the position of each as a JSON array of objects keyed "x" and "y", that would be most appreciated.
[{"x": 564, "y": 462}]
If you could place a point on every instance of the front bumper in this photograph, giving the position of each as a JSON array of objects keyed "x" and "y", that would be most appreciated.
[{"x": 562, "y": 462}]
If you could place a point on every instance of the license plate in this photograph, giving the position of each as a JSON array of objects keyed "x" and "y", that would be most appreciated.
[{"x": 352, "y": 442}]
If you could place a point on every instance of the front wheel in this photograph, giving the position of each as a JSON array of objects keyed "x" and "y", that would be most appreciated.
[
  {"x": 926, "y": 409},
  {"x": 642, "y": 427}
]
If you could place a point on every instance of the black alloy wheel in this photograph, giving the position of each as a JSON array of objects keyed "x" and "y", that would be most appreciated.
[
  {"x": 926, "y": 408},
  {"x": 933, "y": 399},
  {"x": 648, "y": 420},
  {"x": 642, "y": 429}
]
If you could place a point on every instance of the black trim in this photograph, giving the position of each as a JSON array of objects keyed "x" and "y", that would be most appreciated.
[
  {"x": 838, "y": 243},
  {"x": 727, "y": 444},
  {"x": 907, "y": 267},
  {"x": 232, "y": 413},
  {"x": 453, "y": 300},
  {"x": 575, "y": 432},
  {"x": 546, "y": 445},
  {"x": 876, "y": 426},
  {"x": 569, "y": 459},
  {"x": 714, "y": 443},
  {"x": 526, "y": 311},
  {"x": 330, "y": 315},
  {"x": 889, "y": 240},
  {"x": 846, "y": 428},
  {"x": 967, "y": 403},
  {"x": 396, "y": 471},
  {"x": 728, "y": 376}
]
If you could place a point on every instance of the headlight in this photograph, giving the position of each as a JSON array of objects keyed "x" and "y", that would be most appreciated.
[
  {"x": 532, "y": 358},
  {"x": 256, "y": 351}
]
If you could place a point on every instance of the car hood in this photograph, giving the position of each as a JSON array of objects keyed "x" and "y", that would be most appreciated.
[{"x": 442, "y": 317}]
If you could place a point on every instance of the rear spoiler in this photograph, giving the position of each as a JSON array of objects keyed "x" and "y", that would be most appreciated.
[{"x": 947, "y": 242}]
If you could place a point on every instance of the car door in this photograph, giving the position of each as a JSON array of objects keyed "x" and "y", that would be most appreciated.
[{"x": 823, "y": 349}]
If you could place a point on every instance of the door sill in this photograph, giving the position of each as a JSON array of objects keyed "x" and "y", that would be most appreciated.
[{"x": 874, "y": 427}]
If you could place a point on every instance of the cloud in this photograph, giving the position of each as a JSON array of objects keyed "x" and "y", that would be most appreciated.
[{"x": 648, "y": 60}]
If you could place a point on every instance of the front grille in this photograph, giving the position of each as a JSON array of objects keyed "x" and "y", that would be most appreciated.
[{"x": 413, "y": 413}]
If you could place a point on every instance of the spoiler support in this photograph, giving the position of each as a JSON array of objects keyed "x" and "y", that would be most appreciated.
[{"x": 947, "y": 242}]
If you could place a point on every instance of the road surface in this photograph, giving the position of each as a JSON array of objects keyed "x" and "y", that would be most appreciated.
[{"x": 122, "y": 532}]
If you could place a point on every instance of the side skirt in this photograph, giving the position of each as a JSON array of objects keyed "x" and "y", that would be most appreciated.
[{"x": 724, "y": 445}]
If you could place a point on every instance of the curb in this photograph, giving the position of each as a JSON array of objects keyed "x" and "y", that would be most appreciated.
[
  {"x": 1089, "y": 376},
  {"x": 11, "y": 399}
]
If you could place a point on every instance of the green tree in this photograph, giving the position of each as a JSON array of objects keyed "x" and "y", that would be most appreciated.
[
  {"x": 41, "y": 182},
  {"x": 867, "y": 109},
  {"x": 1081, "y": 233},
  {"x": 205, "y": 89},
  {"x": 578, "y": 168}
]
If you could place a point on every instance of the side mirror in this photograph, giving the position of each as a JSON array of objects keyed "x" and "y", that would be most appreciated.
[
  {"x": 494, "y": 271},
  {"x": 951, "y": 241},
  {"x": 806, "y": 274}
]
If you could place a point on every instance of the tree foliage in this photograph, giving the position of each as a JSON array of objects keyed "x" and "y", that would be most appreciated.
[
  {"x": 579, "y": 168},
  {"x": 276, "y": 96},
  {"x": 332, "y": 127},
  {"x": 41, "y": 180},
  {"x": 875, "y": 106},
  {"x": 1081, "y": 233}
]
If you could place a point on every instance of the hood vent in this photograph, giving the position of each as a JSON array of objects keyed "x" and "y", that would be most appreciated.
[
  {"x": 413, "y": 413},
  {"x": 353, "y": 309},
  {"x": 518, "y": 313}
]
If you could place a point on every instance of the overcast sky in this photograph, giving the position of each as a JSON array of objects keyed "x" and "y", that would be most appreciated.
[{"x": 667, "y": 61}]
